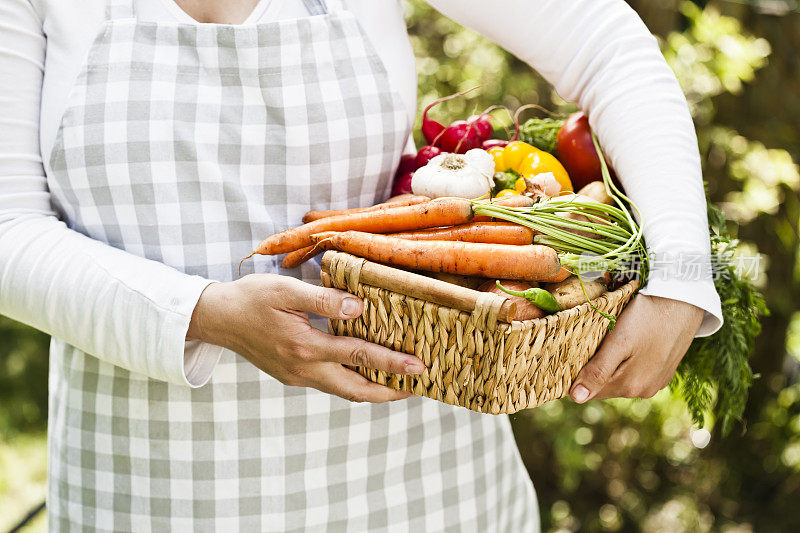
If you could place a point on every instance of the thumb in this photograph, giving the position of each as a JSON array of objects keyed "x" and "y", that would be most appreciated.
[
  {"x": 594, "y": 376},
  {"x": 323, "y": 301}
]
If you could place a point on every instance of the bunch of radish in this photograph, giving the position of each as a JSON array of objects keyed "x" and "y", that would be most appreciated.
[
  {"x": 458, "y": 137},
  {"x": 573, "y": 146}
]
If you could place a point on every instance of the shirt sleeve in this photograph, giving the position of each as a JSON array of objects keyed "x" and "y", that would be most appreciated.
[
  {"x": 121, "y": 308},
  {"x": 599, "y": 54}
]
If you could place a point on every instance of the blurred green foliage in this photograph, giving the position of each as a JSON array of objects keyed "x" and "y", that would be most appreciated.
[
  {"x": 617, "y": 465},
  {"x": 23, "y": 378}
]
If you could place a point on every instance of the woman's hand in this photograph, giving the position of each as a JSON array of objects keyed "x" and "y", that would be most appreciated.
[
  {"x": 639, "y": 357},
  {"x": 263, "y": 318}
]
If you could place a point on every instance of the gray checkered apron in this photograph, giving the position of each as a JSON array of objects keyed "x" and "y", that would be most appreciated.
[{"x": 187, "y": 144}]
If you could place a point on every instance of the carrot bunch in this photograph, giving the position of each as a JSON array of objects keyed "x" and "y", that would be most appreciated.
[
  {"x": 512, "y": 238},
  {"x": 417, "y": 233}
]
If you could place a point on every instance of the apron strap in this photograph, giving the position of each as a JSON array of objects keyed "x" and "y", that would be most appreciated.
[{"x": 120, "y": 9}]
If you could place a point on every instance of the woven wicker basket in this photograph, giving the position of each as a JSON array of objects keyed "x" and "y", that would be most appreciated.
[{"x": 476, "y": 355}]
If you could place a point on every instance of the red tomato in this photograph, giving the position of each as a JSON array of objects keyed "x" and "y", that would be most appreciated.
[{"x": 575, "y": 150}]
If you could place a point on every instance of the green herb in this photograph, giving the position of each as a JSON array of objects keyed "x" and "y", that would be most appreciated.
[
  {"x": 504, "y": 180},
  {"x": 541, "y": 133},
  {"x": 715, "y": 375},
  {"x": 538, "y": 297}
]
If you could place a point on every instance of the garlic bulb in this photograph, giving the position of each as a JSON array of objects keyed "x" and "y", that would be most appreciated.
[{"x": 464, "y": 176}]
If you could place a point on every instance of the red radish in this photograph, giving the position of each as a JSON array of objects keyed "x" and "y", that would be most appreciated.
[
  {"x": 425, "y": 154},
  {"x": 460, "y": 137},
  {"x": 492, "y": 143},
  {"x": 408, "y": 163},
  {"x": 402, "y": 184},
  {"x": 483, "y": 124},
  {"x": 402, "y": 176},
  {"x": 431, "y": 129}
]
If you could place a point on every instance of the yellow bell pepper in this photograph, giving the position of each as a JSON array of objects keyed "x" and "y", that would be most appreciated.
[
  {"x": 529, "y": 161},
  {"x": 507, "y": 192}
]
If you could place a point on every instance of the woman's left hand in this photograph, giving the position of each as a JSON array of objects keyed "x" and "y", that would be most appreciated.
[{"x": 639, "y": 357}]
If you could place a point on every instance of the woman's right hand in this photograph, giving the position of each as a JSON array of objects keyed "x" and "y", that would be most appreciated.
[{"x": 263, "y": 318}]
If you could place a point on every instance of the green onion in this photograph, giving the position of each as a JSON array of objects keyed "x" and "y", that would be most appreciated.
[
  {"x": 613, "y": 242},
  {"x": 614, "y": 239}
]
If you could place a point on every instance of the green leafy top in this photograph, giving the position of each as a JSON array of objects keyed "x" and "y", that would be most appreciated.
[
  {"x": 715, "y": 375},
  {"x": 541, "y": 133}
]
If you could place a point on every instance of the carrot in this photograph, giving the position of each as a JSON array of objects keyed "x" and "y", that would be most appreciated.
[
  {"x": 487, "y": 232},
  {"x": 402, "y": 199},
  {"x": 439, "y": 212},
  {"x": 511, "y": 201},
  {"x": 508, "y": 201},
  {"x": 560, "y": 276},
  {"x": 298, "y": 257},
  {"x": 532, "y": 262}
]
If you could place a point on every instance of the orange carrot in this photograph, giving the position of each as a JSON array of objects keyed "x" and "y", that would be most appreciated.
[
  {"x": 402, "y": 199},
  {"x": 298, "y": 257},
  {"x": 560, "y": 276},
  {"x": 531, "y": 262},
  {"x": 507, "y": 201},
  {"x": 487, "y": 232},
  {"x": 439, "y": 212},
  {"x": 512, "y": 201}
]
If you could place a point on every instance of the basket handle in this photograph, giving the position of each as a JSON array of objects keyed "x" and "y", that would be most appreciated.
[{"x": 413, "y": 285}]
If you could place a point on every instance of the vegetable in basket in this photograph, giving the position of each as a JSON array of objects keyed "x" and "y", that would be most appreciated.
[
  {"x": 463, "y": 176},
  {"x": 570, "y": 140},
  {"x": 486, "y": 232},
  {"x": 539, "y": 297},
  {"x": 531, "y": 262},
  {"x": 526, "y": 310},
  {"x": 541, "y": 133},
  {"x": 505, "y": 181},
  {"x": 395, "y": 201},
  {"x": 440, "y": 212},
  {"x": 604, "y": 238},
  {"x": 459, "y": 136},
  {"x": 551, "y": 297},
  {"x": 575, "y": 291},
  {"x": 528, "y": 161},
  {"x": 714, "y": 376}
]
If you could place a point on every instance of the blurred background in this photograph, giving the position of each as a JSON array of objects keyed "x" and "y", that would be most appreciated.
[{"x": 619, "y": 465}]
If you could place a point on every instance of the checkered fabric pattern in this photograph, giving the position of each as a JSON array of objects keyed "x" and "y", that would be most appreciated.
[{"x": 186, "y": 144}]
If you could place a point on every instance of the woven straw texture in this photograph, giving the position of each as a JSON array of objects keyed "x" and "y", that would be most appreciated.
[{"x": 472, "y": 359}]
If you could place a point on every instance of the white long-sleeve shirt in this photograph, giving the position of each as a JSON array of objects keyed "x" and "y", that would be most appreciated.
[{"x": 134, "y": 312}]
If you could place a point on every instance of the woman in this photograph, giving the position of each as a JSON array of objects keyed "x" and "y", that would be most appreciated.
[{"x": 147, "y": 145}]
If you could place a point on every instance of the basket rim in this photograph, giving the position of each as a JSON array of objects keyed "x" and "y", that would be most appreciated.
[{"x": 387, "y": 275}]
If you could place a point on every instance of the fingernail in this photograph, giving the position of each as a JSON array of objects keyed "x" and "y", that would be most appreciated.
[
  {"x": 414, "y": 366},
  {"x": 350, "y": 307},
  {"x": 580, "y": 393}
]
